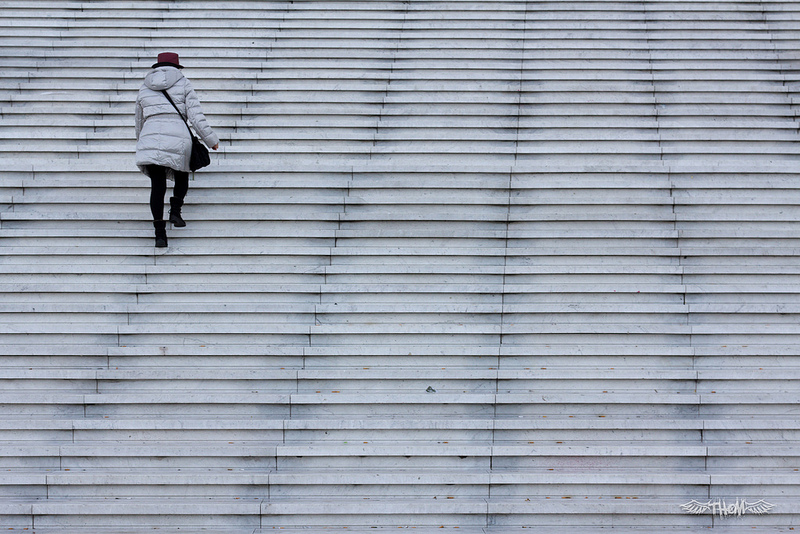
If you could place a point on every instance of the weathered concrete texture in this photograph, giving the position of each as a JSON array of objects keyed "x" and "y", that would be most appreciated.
[{"x": 458, "y": 266}]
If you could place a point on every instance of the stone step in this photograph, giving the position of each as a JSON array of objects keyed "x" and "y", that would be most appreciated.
[
  {"x": 404, "y": 274},
  {"x": 290, "y": 484},
  {"x": 365, "y": 403},
  {"x": 288, "y": 458},
  {"x": 419, "y": 529},
  {"x": 547, "y": 432},
  {"x": 444, "y": 380}
]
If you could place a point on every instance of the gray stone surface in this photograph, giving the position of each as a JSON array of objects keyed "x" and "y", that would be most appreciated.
[{"x": 457, "y": 266}]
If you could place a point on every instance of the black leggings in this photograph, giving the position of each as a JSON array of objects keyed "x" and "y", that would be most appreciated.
[{"x": 158, "y": 188}]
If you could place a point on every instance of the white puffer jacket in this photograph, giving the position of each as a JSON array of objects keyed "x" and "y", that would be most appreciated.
[{"x": 161, "y": 135}]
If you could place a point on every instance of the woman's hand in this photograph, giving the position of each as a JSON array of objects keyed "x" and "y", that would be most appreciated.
[{"x": 215, "y": 147}]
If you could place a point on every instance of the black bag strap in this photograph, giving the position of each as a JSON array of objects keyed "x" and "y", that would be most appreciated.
[{"x": 179, "y": 111}]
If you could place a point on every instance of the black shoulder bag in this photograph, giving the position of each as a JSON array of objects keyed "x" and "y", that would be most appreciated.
[{"x": 200, "y": 157}]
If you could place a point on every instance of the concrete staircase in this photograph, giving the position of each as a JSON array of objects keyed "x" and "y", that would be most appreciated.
[{"x": 457, "y": 266}]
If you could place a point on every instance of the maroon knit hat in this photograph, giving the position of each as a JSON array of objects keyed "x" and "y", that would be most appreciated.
[{"x": 168, "y": 59}]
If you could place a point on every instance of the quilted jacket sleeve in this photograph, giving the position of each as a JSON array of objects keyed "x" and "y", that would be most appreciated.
[{"x": 195, "y": 116}]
